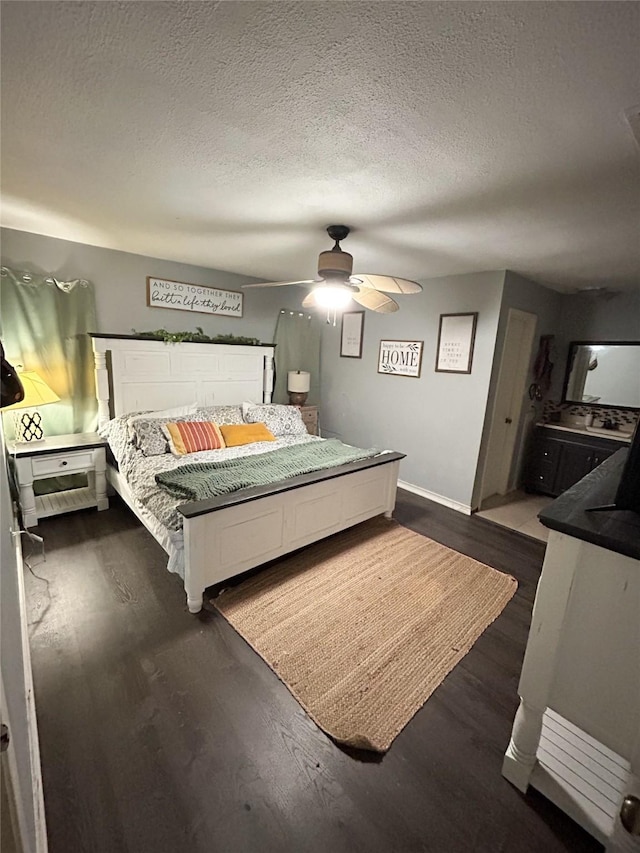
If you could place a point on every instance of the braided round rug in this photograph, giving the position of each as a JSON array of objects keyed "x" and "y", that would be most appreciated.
[{"x": 362, "y": 627}]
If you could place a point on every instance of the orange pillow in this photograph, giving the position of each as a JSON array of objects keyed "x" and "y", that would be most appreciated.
[
  {"x": 191, "y": 436},
  {"x": 238, "y": 434}
]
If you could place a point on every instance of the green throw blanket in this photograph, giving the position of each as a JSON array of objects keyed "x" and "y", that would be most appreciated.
[{"x": 201, "y": 480}]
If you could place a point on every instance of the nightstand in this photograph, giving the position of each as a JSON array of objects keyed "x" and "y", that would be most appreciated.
[
  {"x": 310, "y": 417},
  {"x": 82, "y": 453}
]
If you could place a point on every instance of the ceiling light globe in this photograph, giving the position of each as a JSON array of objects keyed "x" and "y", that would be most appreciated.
[{"x": 332, "y": 296}]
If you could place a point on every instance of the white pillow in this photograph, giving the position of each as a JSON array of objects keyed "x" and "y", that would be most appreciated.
[
  {"x": 190, "y": 409},
  {"x": 248, "y": 405}
]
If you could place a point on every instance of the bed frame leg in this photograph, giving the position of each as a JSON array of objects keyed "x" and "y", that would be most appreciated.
[{"x": 194, "y": 604}]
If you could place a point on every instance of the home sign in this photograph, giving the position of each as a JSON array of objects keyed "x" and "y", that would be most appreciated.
[{"x": 400, "y": 358}]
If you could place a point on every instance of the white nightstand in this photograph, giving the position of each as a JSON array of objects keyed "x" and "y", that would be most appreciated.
[{"x": 82, "y": 453}]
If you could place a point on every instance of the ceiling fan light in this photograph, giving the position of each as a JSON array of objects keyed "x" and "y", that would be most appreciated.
[{"x": 332, "y": 296}]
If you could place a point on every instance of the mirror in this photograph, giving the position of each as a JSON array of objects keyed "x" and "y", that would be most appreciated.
[{"x": 603, "y": 373}]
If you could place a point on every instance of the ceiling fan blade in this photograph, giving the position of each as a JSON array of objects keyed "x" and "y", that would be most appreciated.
[
  {"x": 376, "y": 301},
  {"x": 280, "y": 283},
  {"x": 387, "y": 283}
]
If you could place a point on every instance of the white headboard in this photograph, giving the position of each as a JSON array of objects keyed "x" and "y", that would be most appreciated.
[{"x": 133, "y": 374}]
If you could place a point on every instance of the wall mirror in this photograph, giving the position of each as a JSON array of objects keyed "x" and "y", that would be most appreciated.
[{"x": 603, "y": 373}]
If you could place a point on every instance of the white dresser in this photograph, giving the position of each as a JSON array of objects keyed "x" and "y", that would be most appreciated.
[{"x": 576, "y": 735}]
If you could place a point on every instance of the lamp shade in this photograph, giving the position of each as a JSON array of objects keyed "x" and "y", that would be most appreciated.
[
  {"x": 298, "y": 381},
  {"x": 36, "y": 392}
]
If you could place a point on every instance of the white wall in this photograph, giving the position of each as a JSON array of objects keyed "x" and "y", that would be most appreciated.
[{"x": 437, "y": 419}]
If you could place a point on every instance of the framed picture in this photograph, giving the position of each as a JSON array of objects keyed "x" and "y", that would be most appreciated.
[
  {"x": 456, "y": 337},
  {"x": 351, "y": 337},
  {"x": 400, "y": 358},
  {"x": 199, "y": 298}
]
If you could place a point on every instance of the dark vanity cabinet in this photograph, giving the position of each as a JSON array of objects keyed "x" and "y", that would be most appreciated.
[{"x": 557, "y": 459}]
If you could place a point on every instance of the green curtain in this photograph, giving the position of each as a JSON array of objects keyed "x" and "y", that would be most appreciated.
[
  {"x": 297, "y": 338},
  {"x": 43, "y": 325}
]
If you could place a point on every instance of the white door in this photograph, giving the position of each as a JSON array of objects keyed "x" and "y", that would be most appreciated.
[
  {"x": 508, "y": 401},
  {"x": 21, "y": 761}
]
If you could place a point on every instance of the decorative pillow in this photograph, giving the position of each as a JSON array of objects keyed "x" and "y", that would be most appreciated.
[
  {"x": 174, "y": 412},
  {"x": 236, "y": 435},
  {"x": 281, "y": 420},
  {"x": 192, "y": 436},
  {"x": 116, "y": 432},
  {"x": 148, "y": 436},
  {"x": 222, "y": 414}
]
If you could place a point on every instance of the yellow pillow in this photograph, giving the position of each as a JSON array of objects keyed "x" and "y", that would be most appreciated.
[{"x": 236, "y": 434}]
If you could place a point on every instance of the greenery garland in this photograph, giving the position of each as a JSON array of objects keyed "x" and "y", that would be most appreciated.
[{"x": 198, "y": 337}]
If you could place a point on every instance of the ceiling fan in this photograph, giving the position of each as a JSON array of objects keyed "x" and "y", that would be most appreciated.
[{"x": 335, "y": 286}]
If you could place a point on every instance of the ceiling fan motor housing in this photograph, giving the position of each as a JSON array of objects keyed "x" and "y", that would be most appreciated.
[{"x": 335, "y": 264}]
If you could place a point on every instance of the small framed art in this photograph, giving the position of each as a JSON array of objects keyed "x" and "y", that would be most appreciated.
[
  {"x": 351, "y": 337},
  {"x": 456, "y": 337}
]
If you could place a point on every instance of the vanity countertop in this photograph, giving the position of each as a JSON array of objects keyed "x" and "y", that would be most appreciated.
[
  {"x": 618, "y": 531},
  {"x": 614, "y": 435}
]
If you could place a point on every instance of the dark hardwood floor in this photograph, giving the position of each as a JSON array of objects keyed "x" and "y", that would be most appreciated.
[{"x": 164, "y": 732}]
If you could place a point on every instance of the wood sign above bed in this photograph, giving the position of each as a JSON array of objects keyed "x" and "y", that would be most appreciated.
[{"x": 182, "y": 296}]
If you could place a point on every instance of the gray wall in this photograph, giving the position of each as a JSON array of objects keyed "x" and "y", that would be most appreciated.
[
  {"x": 604, "y": 317},
  {"x": 120, "y": 286},
  {"x": 437, "y": 419}
]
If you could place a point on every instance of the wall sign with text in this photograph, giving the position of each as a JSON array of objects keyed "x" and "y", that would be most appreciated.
[
  {"x": 351, "y": 334},
  {"x": 456, "y": 337},
  {"x": 199, "y": 298},
  {"x": 400, "y": 358}
]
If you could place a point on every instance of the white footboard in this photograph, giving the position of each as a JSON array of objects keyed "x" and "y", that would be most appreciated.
[{"x": 230, "y": 540}]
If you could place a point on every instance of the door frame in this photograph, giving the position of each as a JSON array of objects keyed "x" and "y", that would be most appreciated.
[{"x": 526, "y": 349}]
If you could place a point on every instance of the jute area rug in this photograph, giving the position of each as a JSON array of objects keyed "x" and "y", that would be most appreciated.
[{"x": 362, "y": 627}]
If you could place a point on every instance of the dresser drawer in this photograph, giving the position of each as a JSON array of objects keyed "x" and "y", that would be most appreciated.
[{"x": 61, "y": 463}]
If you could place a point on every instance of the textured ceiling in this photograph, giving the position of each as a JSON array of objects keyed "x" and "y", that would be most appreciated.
[{"x": 453, "y": 137}]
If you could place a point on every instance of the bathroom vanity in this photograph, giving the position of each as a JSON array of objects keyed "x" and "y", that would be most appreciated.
[{"x": 560, "y": 456}]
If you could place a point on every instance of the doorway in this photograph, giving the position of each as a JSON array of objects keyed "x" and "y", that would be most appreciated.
[{"x": 499, "y": 472}]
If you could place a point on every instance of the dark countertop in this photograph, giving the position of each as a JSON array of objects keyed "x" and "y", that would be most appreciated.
[{"x": 618, "y": 531}]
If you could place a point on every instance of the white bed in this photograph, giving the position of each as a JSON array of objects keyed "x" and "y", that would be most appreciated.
[{"x": 227, "y": 535}]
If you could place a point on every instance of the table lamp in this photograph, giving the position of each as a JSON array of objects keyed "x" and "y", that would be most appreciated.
[
  {"x": 28, "y": 425},
  {"x": 298, "y": 383}
]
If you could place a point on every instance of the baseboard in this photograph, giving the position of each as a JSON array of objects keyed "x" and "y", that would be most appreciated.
[{"x": 433, "y": 496}]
